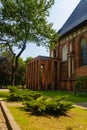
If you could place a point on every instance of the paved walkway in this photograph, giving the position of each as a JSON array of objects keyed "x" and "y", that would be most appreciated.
[
  {"x": 2, "y": 121},
  {"x": 3, "y": 125},
  {"x": 83, "y": 105}
]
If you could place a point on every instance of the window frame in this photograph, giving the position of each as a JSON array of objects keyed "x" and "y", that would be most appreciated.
[
  {"x": 83, "y": 48},
  {"x": 64, "y": 53}
]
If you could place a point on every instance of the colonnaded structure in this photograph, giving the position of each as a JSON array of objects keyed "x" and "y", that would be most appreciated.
[{"x": 67, "y": 61}]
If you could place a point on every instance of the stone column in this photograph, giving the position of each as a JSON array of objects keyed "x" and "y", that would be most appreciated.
[
  {"x": 69, "y": 65},
  {"x": 30, "y": 73},
  {"x": 28, "y": 77},
  {"x": 58, "y": 74},
  {"x": 46, "y": 75},
  {"x": 35, "y": 73},
  {"x": 52, "y": 74},
  {"x": 38, "y": 75},
  {"x": 71, "y": 69},
  {"x": 31, "y": 77},
  {"x": 73, "y": 66}
]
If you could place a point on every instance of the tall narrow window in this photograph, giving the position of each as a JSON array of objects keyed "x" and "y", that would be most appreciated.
[
  {"x": 83, "y": 52},
  {"x": 64, "y": 53},
  {"x": 51, "y": 53},
  {"x": 70, "y": 47}
]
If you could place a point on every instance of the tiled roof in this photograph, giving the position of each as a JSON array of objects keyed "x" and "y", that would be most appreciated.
[{"x": 78, "y": 16}]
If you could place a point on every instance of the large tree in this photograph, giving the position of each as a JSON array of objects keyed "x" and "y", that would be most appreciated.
[
  {"x": 5, "y": 72},
  {"x": 24, "y": 21},
  {"x": 21, "y": 73}
]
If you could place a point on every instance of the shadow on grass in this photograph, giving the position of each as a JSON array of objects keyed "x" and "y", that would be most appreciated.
[
  {"x": 69, "y": 128},
  {"x": 44, "y": 114}
]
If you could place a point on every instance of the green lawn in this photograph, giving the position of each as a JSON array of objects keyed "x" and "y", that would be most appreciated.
[
  {"x": 69, "y": 96},
  {"x": 76, "y": 119},
  {"x": 4, "y": 94}
]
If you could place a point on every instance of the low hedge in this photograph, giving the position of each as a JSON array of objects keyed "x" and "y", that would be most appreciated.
[
  {"x": 21, "y": 95},
  {"x": 37, "y": 103},
  {"x": 45, "y": 105}
]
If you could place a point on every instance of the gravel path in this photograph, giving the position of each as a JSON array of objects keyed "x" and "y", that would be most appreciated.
[{"x": 3, "y": 125}]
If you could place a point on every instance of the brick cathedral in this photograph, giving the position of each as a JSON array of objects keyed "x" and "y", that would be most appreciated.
[{"x": 67, "y": 61}]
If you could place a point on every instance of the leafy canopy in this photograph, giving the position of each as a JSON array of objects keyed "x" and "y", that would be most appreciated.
[{"x": 25, "y": 20}]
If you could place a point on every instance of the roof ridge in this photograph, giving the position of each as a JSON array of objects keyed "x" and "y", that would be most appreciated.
[{"x": 78, "y": 16}]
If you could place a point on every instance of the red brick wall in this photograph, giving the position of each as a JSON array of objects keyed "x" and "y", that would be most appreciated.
[
  {"x": 81, "y": 71},
  {"x": 67, "y": 82},
  {"x": 55, "y": 74},
  {"x": 64, "y": 70}
]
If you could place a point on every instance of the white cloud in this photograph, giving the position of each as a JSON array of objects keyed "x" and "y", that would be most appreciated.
[{"x": 61, "y": 11}]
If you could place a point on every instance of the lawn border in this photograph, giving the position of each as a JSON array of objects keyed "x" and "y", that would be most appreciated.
[{"x": 11, "y": 123}]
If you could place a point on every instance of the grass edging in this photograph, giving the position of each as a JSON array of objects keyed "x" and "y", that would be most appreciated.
[{"x": 11, "y": 123}]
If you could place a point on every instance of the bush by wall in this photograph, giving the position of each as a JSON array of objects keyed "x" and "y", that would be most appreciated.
[{"x": 81, "y": 84}]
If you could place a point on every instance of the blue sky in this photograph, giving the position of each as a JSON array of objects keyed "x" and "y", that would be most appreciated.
[{"x": 59, "y": 13}]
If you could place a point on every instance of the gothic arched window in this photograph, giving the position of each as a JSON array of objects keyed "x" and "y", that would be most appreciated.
[
  {"x": 64, "y": 53},
  {"x": 83, "y": 52}
]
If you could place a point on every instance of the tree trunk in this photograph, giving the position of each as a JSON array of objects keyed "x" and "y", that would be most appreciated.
[
  {"x": 13, "y": 76},
  {"x": 14, "y": 69},
  {"x": 15, "y": 61}
]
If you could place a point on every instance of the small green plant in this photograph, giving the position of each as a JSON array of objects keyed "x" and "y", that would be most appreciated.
[
  {"x": 36, "y": 106},
  {"x": 45, "y": 105},
  {"x": 16, "y": 94}
]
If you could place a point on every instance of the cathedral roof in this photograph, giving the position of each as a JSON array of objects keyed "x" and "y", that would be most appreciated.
[{"x": 78, "y": 16}]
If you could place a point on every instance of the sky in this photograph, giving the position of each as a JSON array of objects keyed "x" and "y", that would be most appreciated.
[{"x": 59, "y": 13}]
